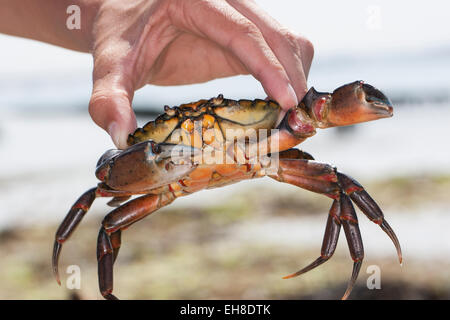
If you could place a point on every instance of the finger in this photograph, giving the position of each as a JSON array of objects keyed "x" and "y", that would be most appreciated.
[
  {"x": 221, "y": 23},
  {"x": 110, "y": 104},
  {"x": 294, "y": 52}
]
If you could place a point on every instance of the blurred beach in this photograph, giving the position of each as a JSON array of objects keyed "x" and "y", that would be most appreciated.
[{"x": 237, "y": 242}]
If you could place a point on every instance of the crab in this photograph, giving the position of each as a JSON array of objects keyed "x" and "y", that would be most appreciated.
[{"x": 216, "y": 142}]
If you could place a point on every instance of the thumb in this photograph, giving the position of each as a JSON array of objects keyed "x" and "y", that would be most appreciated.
[{"x": 110, "y": 106}]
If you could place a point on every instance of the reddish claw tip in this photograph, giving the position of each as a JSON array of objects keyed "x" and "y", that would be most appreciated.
[
  {"x": 55, "y": 258},
  {"x": 351, "y": 283},
  {"x": 387, "y": 228},
  {"x": 309, "y": 267},
  {"x": 293, "y": 275},
  {"x": 56, "y": 274}
]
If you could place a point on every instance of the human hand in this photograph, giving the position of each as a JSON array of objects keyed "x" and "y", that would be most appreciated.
[{"x": 173, "y": 42}]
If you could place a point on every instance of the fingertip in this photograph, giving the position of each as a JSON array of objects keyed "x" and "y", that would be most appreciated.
[
  {"x": 288, "y": 98},
  {"x": 301, "y": 92},
  {"x": 283, "y": 94},
  {"x": 119, "y": 132},
  {"x": 113, "y": 113},
  {"x": 117, "y": 135}
]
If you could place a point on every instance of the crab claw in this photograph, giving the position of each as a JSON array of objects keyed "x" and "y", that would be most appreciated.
[
  {"x": 145, "y": 164},
  {"x": 352, "y": 103},
  {"x": 357, "y": 102}
]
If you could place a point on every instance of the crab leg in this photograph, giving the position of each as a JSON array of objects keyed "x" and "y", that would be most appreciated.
[
  {"x": 322, "y": 178},
  {"x": 108, "y": 243},
  {"x": 330, "y": 240},
  {"x": 369, "y": 207},
  {"x": 341, "y": 213},
  {"x": 73, "y": 219},
  {"x": 117, "y": 201},
  {"x": 351, "y": 229},
  {"x": 69, "y": 224},
  {"x": 116, "y": 241}
]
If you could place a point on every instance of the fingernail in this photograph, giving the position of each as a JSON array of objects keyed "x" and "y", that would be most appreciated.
[
  {"x": 114, "y": 132},
  {"x": 292, "y": 100}
]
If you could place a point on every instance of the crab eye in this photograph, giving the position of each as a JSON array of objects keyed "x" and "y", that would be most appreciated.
[{"x": 156, "y": 148}]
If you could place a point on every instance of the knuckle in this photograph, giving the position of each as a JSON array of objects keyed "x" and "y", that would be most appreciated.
[
  {"x": 259, "y": 73},
  {"x": 196, "y": 4},
  {"x": 99, "y": 100},
  {"x": 111, "y": 49},
  {"x": 290, "y": 37},
  {"x": 248, "y": 28},
  {"x": 104, "y": 98},
  {"x": 273, "y": 69},
  {"x": 98, "y": 97},
  {"x": 307, "y": 47},
  {"x": 298, "y": 43},
  {"x": 245, "y": 31}
]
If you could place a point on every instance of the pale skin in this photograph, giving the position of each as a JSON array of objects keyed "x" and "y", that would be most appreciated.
[{"x": 166, "y": 42}]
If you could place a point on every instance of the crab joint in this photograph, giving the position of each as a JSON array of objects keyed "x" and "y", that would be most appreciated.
[{"x": 299, "y": 122}]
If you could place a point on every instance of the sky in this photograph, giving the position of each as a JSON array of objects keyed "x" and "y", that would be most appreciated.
[
  {"x": 334, "y": 27},
  {"x": 350, "y": 29},
  {"x": 366, "y": 26}
]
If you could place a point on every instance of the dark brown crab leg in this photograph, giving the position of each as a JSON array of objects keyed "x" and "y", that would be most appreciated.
[
  {"x": 369, "y": 207},
  {"x": 330, "y": 240},
  {"x": 105, "y": 258},
  {"x": 116, "y": 242},
  {"x": 351, "y": 229},
  {"x": 73, "y": 219},
  {"x": 69, "y": 224},
  {"x": 341, "y": 213},
  {"x": 108, "y": 243},
  {"x": 323, "y": 178}
]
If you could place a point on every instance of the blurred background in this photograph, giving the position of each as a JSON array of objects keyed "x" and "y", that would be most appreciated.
[{"x": 237, "y": 242}]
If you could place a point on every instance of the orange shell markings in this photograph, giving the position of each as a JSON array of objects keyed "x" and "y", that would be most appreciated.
[{"x": 218, "y": 114}]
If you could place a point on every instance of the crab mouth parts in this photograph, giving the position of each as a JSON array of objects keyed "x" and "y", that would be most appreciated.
[{"x": 377, "y": 101}]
